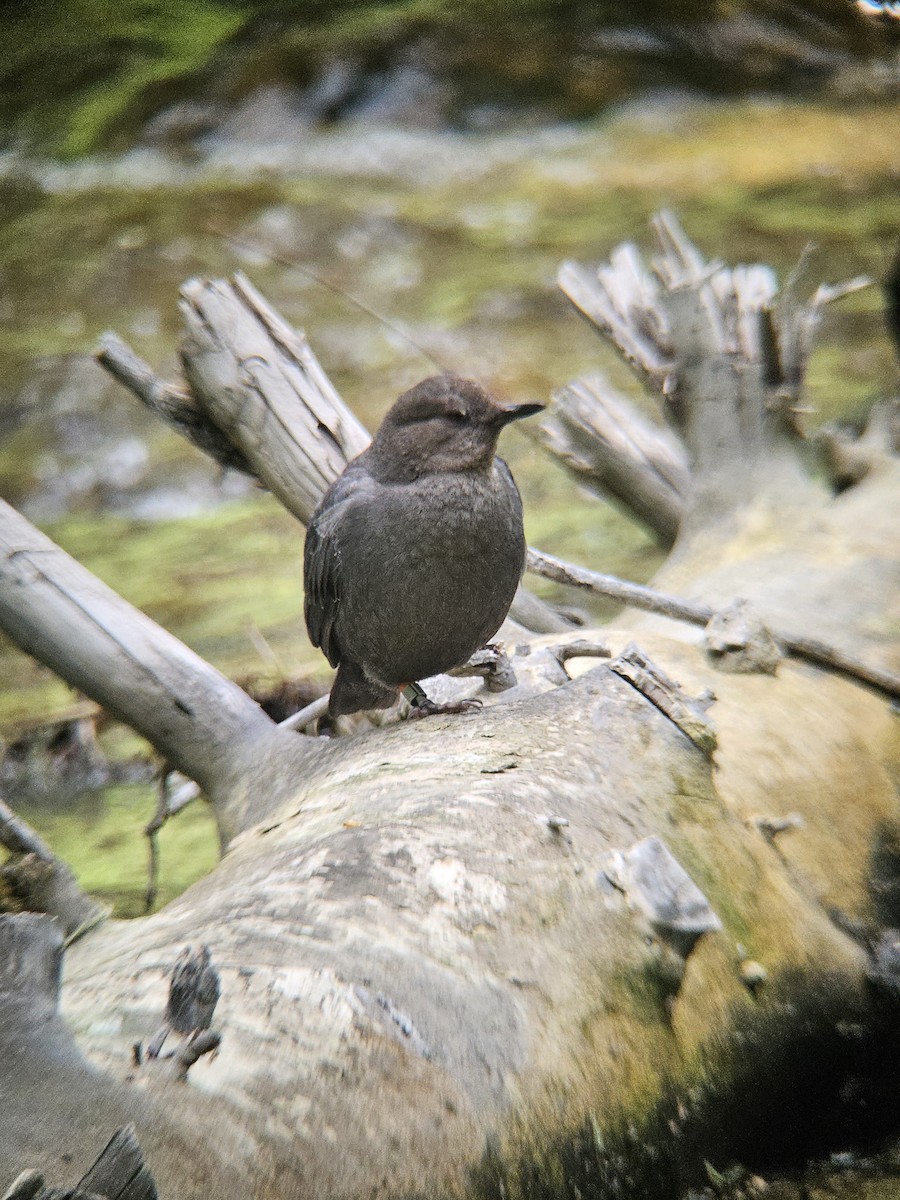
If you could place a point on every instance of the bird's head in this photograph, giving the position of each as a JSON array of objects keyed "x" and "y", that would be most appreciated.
[{"x": 444, "y": 423}]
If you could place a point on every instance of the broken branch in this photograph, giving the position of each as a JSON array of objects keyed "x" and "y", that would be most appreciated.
[{"x": 694, "y": 612}]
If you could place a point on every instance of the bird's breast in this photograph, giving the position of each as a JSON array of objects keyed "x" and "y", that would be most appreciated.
[{"x": 428, "y": 571}]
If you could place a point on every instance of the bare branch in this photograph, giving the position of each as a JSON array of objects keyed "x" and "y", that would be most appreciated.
[
  {"x": 169, "y": 402},
  {"x": 696, "y": 613},
  {"x": 60, "y": 613},
  {"x": 726, "y": 353},
  {"x": 611, "y": 447}
]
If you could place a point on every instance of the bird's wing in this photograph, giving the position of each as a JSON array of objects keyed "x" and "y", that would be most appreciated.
[{"x": 322, "y": 565}]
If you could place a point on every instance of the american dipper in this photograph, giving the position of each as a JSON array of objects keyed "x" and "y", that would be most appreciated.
[{"x": 413, "y": 556}]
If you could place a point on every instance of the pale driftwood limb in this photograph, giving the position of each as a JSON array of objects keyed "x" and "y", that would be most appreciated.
[
  {"x": 171, "y": 403},
  {"x": 170, "y": 805},
  {"x": 614, "y": 450},
  {"x": 257, "y": 379},
  {"x": 57, "y": 611},
  {"x": 44, "y": 882},
  {"x": 307, "y": 715},
  {"x": 696, "y": 613},
  {"x": 651, "y": 681}
]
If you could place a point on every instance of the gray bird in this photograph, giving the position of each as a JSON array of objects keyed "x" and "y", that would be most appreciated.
[{"x": 413, "y": 557}]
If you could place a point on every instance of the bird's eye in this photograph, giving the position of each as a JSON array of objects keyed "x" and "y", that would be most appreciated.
[{"x": 456, "y": 416}]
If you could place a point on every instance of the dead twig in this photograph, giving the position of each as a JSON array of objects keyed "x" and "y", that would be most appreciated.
[
  {"x": 694, "y": 612},
  {"x": 651, "y": 681}
]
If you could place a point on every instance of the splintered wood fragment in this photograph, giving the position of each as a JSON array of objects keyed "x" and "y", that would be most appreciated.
[
  {"x": 205, "y": 1041},
  {"x": 119, "y": 1172},
  {"x": 739, "y": 642},
  {"x": 610, "y": 446},
  {"x": 656, "y": 884},
  {"x": 610, "y": 303},
  {"x": 651, "y": 681},
  {"x": 194, "y": 991},
  {"x": 491, "y": 664}
]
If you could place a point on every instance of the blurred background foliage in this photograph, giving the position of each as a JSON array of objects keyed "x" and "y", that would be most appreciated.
[{"x": 82, "y": 75}]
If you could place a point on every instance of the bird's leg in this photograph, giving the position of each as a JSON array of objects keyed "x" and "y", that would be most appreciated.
[{"x": 421, "y": 706}]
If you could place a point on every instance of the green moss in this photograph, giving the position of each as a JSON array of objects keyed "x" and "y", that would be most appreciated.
[
  {"x": 102, "y": 838},
  {"x": 80, "y": 68},
  {"x": 779, "y": 1087}
]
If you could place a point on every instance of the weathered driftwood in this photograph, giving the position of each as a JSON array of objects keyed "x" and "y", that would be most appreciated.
[
  {"x": 613, "y": 449},
  {"x": 735, "y": 399},
  {"x": 419, "y": 948},
  {"x": 201, "y": 722},
  {"x": 697, "y": 613},
  {"x": 40, "y": 881}
]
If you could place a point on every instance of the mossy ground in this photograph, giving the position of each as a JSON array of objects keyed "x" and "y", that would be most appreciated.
[{"x": 463, "y": 259}]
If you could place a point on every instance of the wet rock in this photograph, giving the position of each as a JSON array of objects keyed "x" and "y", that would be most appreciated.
[{"x": 270, "y": 115}]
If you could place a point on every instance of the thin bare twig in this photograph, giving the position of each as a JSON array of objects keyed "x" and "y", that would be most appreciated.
[{"x": 696, "y": 613}]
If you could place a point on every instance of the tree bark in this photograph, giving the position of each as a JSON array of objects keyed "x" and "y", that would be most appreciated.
[{"x": 456, "y": 944}]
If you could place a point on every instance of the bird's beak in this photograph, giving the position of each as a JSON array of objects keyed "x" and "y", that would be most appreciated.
[{"x": 515, "y": 412}]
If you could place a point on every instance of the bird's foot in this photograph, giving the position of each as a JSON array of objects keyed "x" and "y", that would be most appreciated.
[{"x": 423, "y": 707}]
